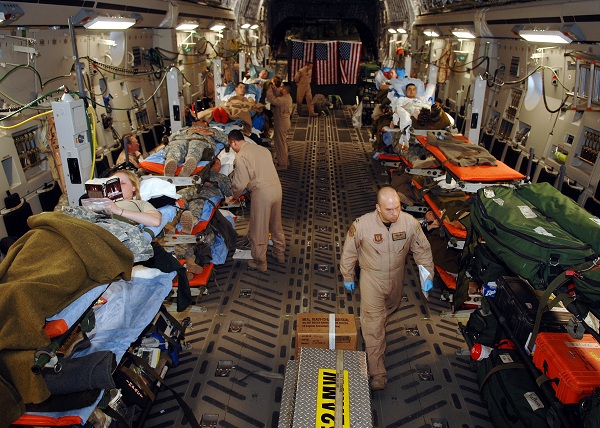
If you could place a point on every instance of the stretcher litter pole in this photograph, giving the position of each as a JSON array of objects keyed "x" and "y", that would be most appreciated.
[
  {"x": 556, "y": 407},
  {"x": 529, "y": 164},
  {"x": 561, "y": 177},
  {"x": 83, "y": 14}
]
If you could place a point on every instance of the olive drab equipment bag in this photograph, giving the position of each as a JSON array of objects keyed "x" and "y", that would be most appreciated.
[
  {"x": 528, "y": 242},
  {"x": 560, "y": 208}
]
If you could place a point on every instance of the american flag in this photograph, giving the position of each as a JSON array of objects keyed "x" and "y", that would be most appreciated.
[
  {"x": 326, "y": 63},
  {"x": 349, "y": 61},
  {"x": 301, "y": 53}
]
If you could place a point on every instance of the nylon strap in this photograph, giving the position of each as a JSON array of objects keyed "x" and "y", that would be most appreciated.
[
  {"x": 559, "y": 281},
  {"x": 496, "y": 369},
  {"x": 187, "y": 411}
]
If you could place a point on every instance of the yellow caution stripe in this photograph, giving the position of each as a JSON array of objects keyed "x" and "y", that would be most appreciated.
[{"x": 326, "y": 393}]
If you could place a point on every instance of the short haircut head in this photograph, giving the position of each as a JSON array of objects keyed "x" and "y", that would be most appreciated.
[
  {"x": 235, "y": 135},
  {"x": 287, "y": 87},
  {"x": 386, "y": 192},
  {"x": 410, "y": 84}
]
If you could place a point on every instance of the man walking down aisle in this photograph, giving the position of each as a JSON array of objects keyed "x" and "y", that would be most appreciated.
[
  {"x": 281, "y": 101},
  {"x": 254, "y": 171},
  {"x": 302, "y": 79},
  {"x": 379, "y": 242}
]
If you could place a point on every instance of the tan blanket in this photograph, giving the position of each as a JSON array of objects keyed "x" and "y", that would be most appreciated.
[
  {"x": 46, "y": 269},
  {"x": 236, "y": 109}
]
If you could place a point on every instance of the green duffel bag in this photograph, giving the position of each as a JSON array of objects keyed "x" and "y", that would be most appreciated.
[
  {"x": 528, "y": 243},
  {"x": 513, "y": 398},
  {"x": 486, "y": 266},
  {"x": 560, "y": 208}
]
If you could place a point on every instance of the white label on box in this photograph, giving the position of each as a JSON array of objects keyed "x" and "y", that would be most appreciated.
[
  {"x": 506, "y": 358},
  {"x": 498, "y": 201},
  {"x": 527, "y": 211},
  {"x": 582, "y": 344},
  {"x": 534, "y": 401}
]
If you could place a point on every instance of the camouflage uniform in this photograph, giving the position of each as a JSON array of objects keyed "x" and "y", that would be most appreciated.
[
  {"x": 183, "y": 146},
  {"x": 129, "y": 234},
  {"x": 196, "y": 195},
  {"x": 186, "y": 143},
  {"x": 381, "y": 254}
]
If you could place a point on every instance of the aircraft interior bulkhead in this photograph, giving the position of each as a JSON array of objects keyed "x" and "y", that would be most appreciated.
[{"x": 294, "y": 214}]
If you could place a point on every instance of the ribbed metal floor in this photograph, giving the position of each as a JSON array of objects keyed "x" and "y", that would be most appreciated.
[{"x": 243, "y": 330}]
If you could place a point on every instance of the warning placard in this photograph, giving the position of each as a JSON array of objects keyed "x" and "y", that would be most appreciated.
[{"x": 326, "y": 398}]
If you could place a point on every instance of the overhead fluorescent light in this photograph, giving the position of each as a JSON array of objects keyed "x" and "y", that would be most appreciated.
[
  {"x": 217, "y": 26},
  {"x": 391, "y": 31},
  {"x": 246, "y": 25},
  {"x": 254, "y": 26},
  {"x": 545, "y": 36},
  {"x": 429, "y": 32},
  {"x": 401, "y": 31},
  {"x": 109, "y": 23},
  {"x": 187, "y": 26},
  {"x": 463, "y": 34}
]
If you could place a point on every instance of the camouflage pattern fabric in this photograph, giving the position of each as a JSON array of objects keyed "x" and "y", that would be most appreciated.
[
  {"x": 193, "y": 146},
  {"x": 196, "y": 195},
  {"x": 130, "y": 235}
]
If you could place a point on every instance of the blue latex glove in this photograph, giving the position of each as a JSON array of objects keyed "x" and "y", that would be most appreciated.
[
  {"x": 427, "y": 285},
  {"x": 349, "y": 286}
]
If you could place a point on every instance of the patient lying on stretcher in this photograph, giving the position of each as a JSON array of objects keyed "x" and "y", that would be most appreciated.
[{"x": 408, "y": 106}]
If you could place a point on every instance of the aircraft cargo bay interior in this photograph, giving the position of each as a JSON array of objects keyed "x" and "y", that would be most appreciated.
[{"x": 234, "y": 213}]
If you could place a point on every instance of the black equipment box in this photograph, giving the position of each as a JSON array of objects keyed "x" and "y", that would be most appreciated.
[{"x": 520, "y": 303}]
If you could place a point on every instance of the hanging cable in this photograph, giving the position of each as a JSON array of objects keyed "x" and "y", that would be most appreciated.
[
  {"x": 92, "y": 123},
  {"x": 23, "y": 66},
  {"x": 32, "y": 103},
  {"x": 37, "y": 116}
]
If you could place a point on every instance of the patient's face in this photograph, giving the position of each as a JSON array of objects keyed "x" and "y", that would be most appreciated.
[
  {"x": 263, "y": 74},
  {"x": 240, "y": 89},
  {"x": 127, "y": 187},
  {"x": 410, "y": 91}
]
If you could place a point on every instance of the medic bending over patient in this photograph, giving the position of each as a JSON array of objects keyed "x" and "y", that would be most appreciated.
[{"x": 131, "y": 207}]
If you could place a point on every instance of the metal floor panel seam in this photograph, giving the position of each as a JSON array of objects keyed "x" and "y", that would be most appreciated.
[{"x": 243, "y": 332}]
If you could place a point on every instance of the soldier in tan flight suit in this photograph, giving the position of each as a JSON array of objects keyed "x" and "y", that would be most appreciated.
[
  {"x": 302, "y": 79},
  {"x": 379, "y": 242},
  {"x": 281, "y": 100},
  {"x": 254, "y": 170}
]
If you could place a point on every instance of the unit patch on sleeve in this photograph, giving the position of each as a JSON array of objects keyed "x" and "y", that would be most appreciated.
[
  {"x": 352, "y": 231},
  {"x": 398, "y": 236}
]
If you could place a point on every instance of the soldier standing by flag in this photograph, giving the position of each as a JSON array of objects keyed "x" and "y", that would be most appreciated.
[{"x": 302, "y": 79}]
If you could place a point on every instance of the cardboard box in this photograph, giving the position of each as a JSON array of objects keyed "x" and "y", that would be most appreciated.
[
  {"x": 104, "y": 188},
  {"x": 317, "y": 331}
]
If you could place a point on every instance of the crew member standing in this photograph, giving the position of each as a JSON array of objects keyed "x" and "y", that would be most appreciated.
[
  {"x": 302, "y": 79},
  {"x": 281, "y": 101},
  {"x": 254, "y": 171},
  {"x": 379, "y": 242}
]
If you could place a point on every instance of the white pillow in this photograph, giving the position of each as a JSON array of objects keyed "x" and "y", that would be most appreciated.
[{"x": 156, "y": 187}]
